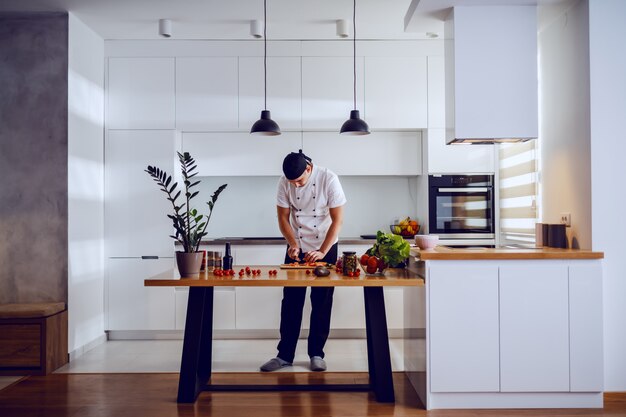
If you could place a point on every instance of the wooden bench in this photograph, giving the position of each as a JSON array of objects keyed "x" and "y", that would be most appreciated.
[{"x": 33, "y": 338}]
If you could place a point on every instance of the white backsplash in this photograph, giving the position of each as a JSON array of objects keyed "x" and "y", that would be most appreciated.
[{"x": 248, "y": 205}]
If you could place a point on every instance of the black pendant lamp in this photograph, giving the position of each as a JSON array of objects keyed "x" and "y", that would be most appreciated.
[
  {"x": 354, "y": 125},
  {"x": 265, "y": 126}
]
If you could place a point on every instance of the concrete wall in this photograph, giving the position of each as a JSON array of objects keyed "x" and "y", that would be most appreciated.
[
  {"x": 563, "y": 43},
  {"x": 608, "y": 150},
  {"x": 85, "y": 187},
  {"x": 33, "y": 157}
]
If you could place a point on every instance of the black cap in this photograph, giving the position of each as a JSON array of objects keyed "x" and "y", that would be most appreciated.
[{"x": 294, "y": 164}]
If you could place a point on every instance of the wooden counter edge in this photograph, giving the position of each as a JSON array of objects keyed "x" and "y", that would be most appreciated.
[
  {"x": 286, "y": 278},
  {"x": 505, "y": 254}
]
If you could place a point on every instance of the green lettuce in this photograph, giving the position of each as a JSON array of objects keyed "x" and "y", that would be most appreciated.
[{"x": 393, "y": 249}]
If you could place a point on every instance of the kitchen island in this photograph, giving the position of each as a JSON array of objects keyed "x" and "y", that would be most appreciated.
[
  {"x": 195, "y": 373},
  {"x": 506, "y": 328}
]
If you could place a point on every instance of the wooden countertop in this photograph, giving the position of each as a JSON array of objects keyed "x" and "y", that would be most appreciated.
[
  {"x": 286, "y": 278},
  {"x": 445, "y": 253}
]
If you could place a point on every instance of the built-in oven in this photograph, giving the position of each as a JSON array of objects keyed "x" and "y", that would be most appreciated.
[{"x": 461, "y": 207}]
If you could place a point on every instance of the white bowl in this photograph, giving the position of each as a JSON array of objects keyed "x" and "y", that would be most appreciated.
[{"x": 426, "y": 241}]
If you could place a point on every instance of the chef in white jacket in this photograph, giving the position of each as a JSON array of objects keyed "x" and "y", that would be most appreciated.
[{"x": 310, "y": 202}]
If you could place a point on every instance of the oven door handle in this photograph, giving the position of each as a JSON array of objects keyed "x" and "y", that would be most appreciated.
[{"x": 463, "y": 190}]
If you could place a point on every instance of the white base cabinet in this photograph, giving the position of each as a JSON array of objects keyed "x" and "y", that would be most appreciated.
[
  {"x": 464, "y": 326},
  {"x": 132, "y": 306},
  {"x": 534, "y": 330},
  {"x": 514, "y": 333},
  {"x": 223, "y": 308}
]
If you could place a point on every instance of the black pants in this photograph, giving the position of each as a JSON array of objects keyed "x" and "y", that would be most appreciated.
[{"x": 291, "y": 315}]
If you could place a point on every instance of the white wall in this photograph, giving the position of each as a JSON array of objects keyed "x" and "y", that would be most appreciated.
[
  {"x": 248, "y": 205},
  {"x": 85, "y": 187},
  {"x": 608, "y": 148},
  {"x": 563, "y": 44}
]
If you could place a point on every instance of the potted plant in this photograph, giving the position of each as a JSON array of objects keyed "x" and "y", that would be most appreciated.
[{"x": 190, "y": 226}]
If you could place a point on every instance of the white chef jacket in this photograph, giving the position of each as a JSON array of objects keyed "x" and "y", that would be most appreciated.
[{"x": 309, "y": 206}]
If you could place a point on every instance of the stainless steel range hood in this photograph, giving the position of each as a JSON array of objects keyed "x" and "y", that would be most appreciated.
[{"x": 491, "y": 74}]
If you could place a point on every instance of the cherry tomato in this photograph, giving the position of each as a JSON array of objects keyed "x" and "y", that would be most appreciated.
[
  {"x": 350, "y": 274},
  {"x": 308, "y": 272}
]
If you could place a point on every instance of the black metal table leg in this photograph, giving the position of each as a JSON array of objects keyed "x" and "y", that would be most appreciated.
[
  {"x": 378, "y": 357},
  {"x": 195, "y": 367}
]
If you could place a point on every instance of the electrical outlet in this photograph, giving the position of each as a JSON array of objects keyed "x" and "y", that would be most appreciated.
[{"x": 566, "y": 219}]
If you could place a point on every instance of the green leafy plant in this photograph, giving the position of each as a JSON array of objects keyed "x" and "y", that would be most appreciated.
[
  {"x": 392, "y": 249},
  {"x": 189, "y": 224}
]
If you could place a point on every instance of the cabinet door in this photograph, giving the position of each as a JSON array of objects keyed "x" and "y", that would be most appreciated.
[
  {"x": 223, "y": 308},
  {"x": 327, "y": 91},
  {"x": 454, "y": 159},
  {"x": 395, "y": 92},
  {"x": 236, "y": 154},
  {"x": 463, "y": 311},
  {"x": 380, "y": 153},
  {"x": 534, "y": 339},
  {"x": 136, "y": 210},
  {"x": 130, "y": 305},
  {"x": 284, "y": 97},
  {"x": 259, "y": 308},
  {"x": 436, "y": 92},
  {"x": 585, "y": 322},
  {"x": 206, "y": 93},
  {"x": 141, "y": 93},
  {"x": 348, "y": 308}
]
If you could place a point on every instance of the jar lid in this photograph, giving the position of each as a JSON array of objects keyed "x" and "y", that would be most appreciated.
[{"x": 349, "y": 253}]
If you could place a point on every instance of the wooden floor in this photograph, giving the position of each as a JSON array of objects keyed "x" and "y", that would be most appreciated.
[{"x": 154, "y": 395}]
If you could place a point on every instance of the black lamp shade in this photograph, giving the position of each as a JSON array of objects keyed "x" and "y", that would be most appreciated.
[
  {"x": 265, "y": 126},
  {"x": 355, "y": 125}
]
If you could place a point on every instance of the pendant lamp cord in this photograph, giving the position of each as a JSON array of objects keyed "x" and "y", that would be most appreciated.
[
  {"x": 265, "y": 50},
  {"x": 354, "y": 49}
]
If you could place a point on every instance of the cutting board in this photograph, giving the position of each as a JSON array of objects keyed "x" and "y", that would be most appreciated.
[{"x": 305, "y": 266}]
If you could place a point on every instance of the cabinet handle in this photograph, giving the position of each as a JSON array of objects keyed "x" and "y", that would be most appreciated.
[{"x": 149, "y": 257}]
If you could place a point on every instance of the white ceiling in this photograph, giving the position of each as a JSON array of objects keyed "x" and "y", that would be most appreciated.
[{"x": 229, "y": 19}]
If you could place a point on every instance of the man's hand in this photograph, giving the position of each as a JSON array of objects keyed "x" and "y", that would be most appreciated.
[
  {"x": 294, "y": 252},
  {"x": 313, "y": 256}
]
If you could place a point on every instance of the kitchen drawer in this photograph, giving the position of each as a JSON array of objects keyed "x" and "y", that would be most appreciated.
[{"x": 20, "y": 345}]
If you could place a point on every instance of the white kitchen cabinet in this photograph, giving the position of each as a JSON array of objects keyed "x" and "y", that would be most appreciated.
[
  {"x": 140, "y": 93},
  {"x": 464, "y": 346},
  {"x": 132, "y": 306},
  {"x": 239, "y": 153},
  {"x": 436, "y": 92},
  {"x": 380, "y": 153},
  {"x": 348, "y": 308},
  {"x": 284, "y": 95},
  {"x": 259, "y": 308},
  {"x": 327, "y": 91},
  {"x": 396, "y": 92},
  {"x": 206, "y": 93},
  {"x": 534, "y": 328},
  {"x": 585, "y": 332},
  {"x": 455, "y": 159},
  {"x": 135, "y": 209},
  {"x": 223, "y": 308}
]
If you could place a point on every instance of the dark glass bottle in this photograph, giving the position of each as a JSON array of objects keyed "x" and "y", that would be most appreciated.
[{"x": 227, "y": 261}]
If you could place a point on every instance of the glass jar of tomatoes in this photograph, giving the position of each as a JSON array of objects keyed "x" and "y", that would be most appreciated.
[{"x": 349, "y": 263}]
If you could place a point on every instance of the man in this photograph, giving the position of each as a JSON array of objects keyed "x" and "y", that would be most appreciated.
[{"x": 310, "y": 204}]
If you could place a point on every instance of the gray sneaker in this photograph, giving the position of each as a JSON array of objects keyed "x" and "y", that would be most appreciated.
[
  {"x": 318, "y": 364},
  {"x": 274, "y": 364}
]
